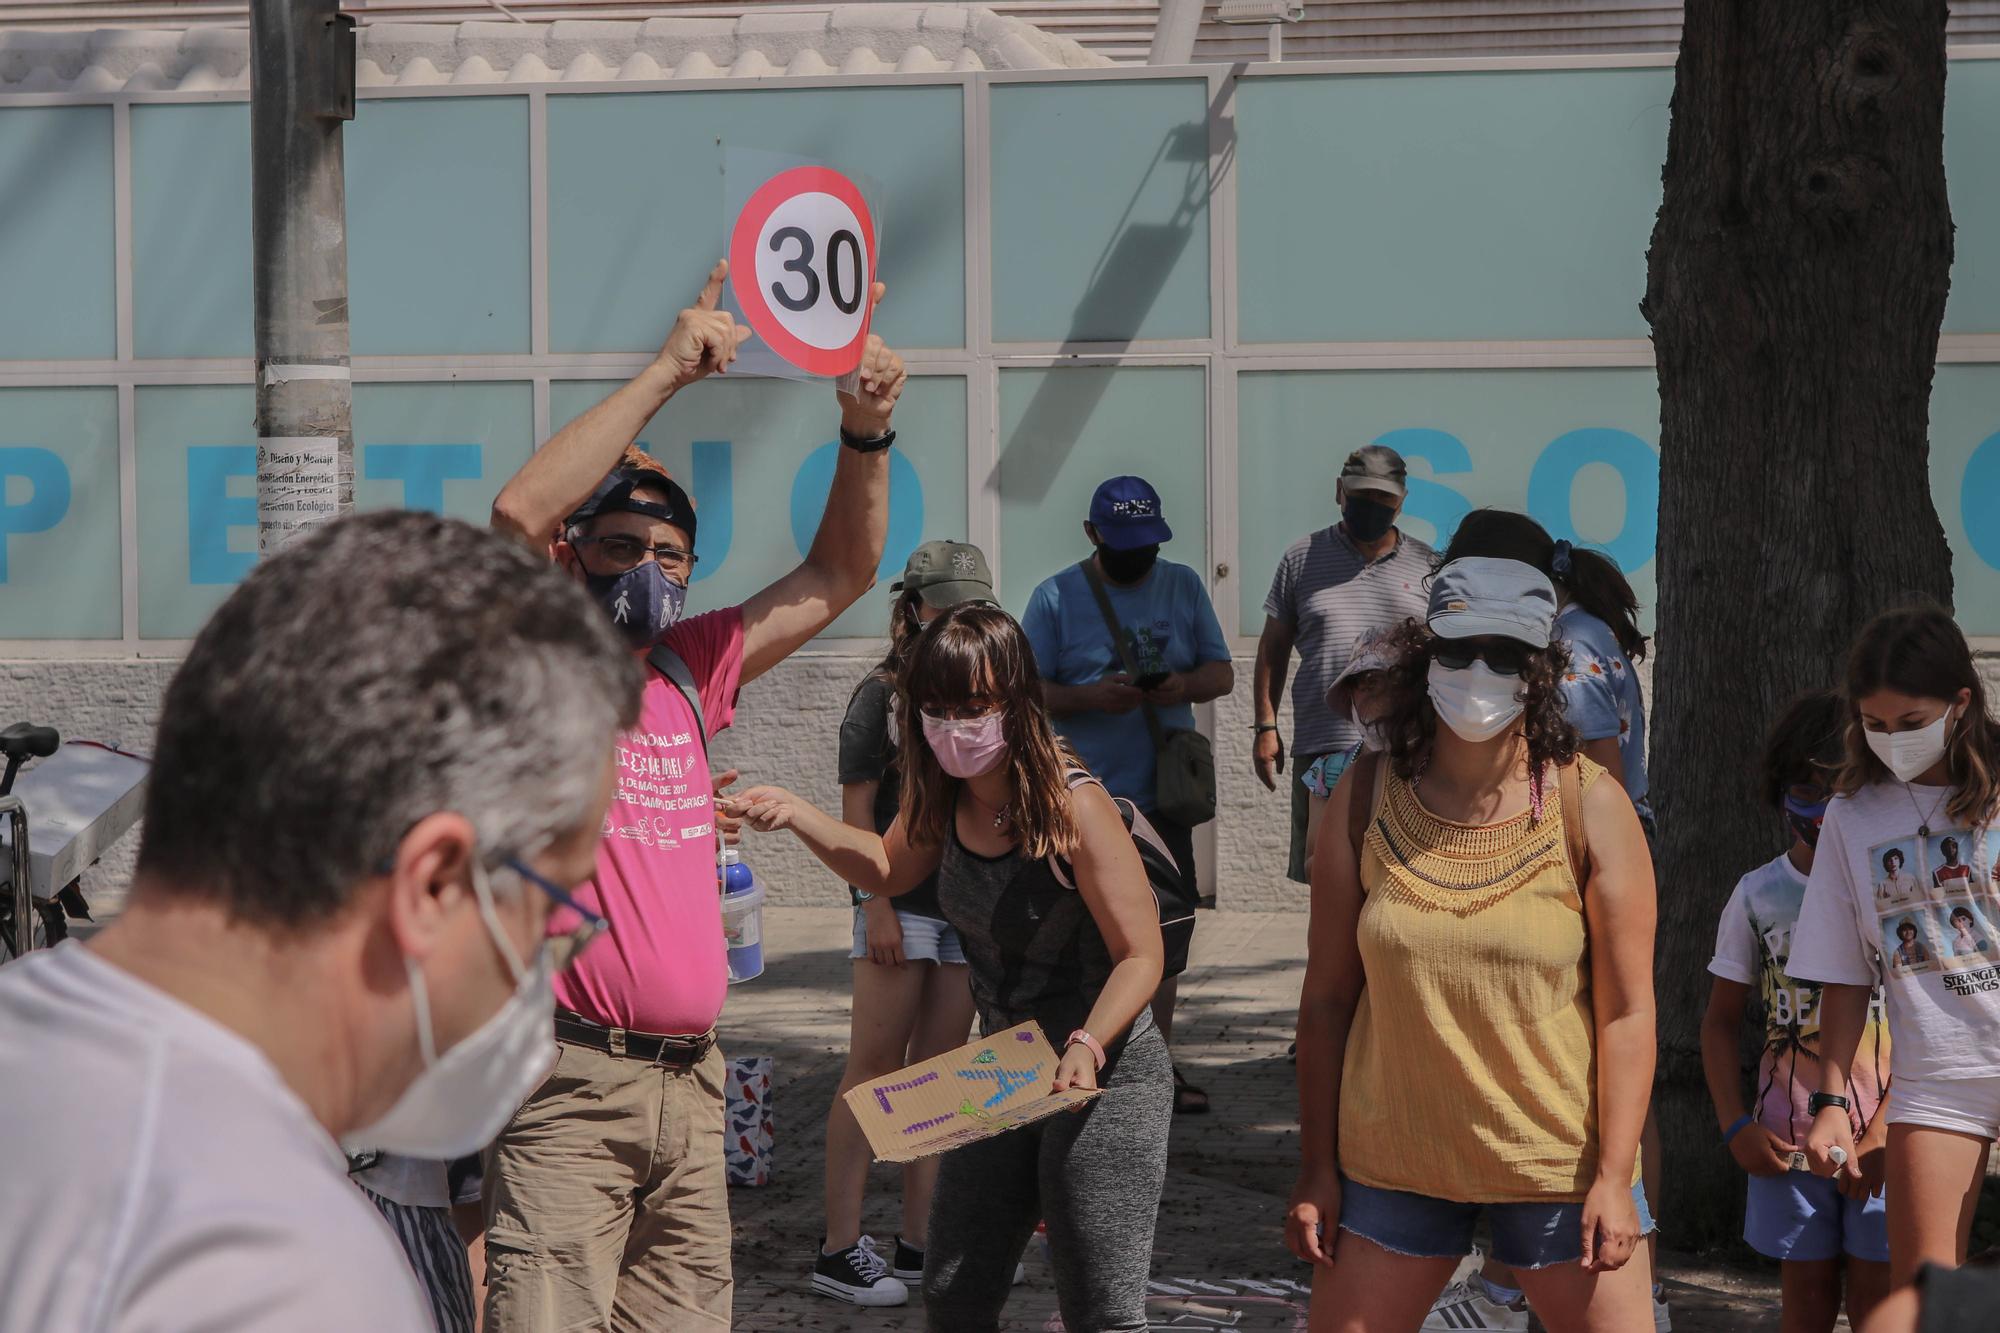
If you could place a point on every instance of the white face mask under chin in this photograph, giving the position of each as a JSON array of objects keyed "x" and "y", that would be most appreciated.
[
  {"x": 1911, "y": 754},
  {"x": 465, "y": 1097},
  {"x": 1476, "y": 702}
]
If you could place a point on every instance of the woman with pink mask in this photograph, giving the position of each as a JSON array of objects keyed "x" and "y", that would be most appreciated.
[{"x": 992, "y": 804}]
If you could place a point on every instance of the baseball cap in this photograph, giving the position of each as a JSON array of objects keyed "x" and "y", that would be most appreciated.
[
  {"x": 1479, "y": 596},
  {"x": 615, "y": 495},
  {"x": 1372, "y": 651},
  {"x": 1374, "y": 467},
  {"x": 947, "y": 574},
  {"x": 1126, "y": 513}
]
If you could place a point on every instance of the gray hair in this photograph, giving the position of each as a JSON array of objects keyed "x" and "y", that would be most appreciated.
[{"x": 389, "y": 667}]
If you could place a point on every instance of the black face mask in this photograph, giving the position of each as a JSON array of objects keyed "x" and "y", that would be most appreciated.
[
  {"x": 1127, "y": 566},
  {"x": 1367, "y": 520}
]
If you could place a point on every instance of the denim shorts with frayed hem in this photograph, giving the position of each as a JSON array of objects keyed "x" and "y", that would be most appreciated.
[
  {"x": 1525, "y": 1235},
  {"x": 1799, "y": 1217},
  {"x": 925, "y": 939}
]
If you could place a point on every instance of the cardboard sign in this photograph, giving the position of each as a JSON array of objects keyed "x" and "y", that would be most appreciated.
[
  {"x": 988, "y": 1087},
  {"x": 802, "y": 255}
]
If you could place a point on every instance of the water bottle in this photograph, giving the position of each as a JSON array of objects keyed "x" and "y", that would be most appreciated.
[{"x": 742, "y": 916}]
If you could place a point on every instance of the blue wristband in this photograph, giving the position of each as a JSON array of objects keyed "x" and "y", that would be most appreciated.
[{"x": 1735, "y": 1128}]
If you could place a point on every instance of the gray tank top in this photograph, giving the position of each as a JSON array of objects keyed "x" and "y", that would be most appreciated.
[{"x": 1034, "y": 948}]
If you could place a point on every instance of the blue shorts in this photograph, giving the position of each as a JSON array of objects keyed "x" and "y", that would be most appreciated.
[
  {"x": 1805, "y": 1218},
  {"x": 1525, "y": 1235},
  {"x": 925, "y": 938}
]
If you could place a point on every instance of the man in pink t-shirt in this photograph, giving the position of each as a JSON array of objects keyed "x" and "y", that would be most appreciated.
[{"x": 606, "y": 1202}]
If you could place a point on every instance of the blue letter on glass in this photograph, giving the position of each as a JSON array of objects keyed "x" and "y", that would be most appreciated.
[
  {"x": 213, "y": 511},
  {"x": 423, "y": 469},
  {"x": 1638, "y": 464},
  {"x": 48, "y": 493},
  {"x": 906, "y": 505}
]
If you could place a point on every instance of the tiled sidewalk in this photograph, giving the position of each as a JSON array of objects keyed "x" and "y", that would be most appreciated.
[{"x": 1219, "y": 1258}]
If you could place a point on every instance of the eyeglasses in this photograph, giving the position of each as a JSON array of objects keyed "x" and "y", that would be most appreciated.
[
  {"x": 562, "y": 946},
  {"x": 620, "y": 553},
  {"x": 969, "y": 711},
  {"x": 1504, "y": 656}
]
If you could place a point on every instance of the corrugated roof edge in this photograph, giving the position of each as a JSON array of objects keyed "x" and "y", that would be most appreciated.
[{"x": 767, "y": 43}]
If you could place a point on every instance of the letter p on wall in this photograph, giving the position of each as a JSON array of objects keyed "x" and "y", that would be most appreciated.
[{"x": 34, "y": 494}]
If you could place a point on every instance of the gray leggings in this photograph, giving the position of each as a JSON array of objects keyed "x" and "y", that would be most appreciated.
[{"x": 1095, "y": 1176}]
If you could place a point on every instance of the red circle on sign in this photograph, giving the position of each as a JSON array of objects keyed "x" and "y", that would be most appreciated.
[{"x": 743, "y": 266}]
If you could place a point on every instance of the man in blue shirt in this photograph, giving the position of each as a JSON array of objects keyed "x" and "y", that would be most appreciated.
[{"x": 1176, "y": 644}]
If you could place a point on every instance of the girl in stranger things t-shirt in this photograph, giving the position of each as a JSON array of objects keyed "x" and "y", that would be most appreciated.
[{"x": 1918, "y": 790}]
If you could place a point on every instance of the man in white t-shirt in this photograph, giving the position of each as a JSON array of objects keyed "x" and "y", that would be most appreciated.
[{"x": 383, "y": 760}]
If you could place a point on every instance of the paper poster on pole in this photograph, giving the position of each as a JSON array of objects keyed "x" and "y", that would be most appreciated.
[
  {"x": 802, "y": 246},
  {"x": 298, "y": 487},
  {"x": 985, "y": 1088}
]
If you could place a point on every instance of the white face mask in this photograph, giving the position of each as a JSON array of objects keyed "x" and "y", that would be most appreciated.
[
  {"x": 464, "y": 1098},
  {"x": 1372, "y": 738},
  {"x": 1476, "y": 702},
  {"x": 1910, "y": 754}
]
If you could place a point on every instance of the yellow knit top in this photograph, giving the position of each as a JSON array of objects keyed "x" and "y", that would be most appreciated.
[{"x": 1470, "y": 1072}]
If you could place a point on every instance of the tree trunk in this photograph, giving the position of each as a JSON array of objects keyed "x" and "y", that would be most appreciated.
[{"x": 1795, "y": 285}]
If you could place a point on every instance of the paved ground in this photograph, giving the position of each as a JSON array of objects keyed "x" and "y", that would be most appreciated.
[{"x": 1219, "y": 1258}]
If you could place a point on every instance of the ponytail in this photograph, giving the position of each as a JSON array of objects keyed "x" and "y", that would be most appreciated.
[{"x": 1595, "y": 583}]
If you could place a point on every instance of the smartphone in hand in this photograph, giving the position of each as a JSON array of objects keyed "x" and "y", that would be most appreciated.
[{"x": 1152, "y": 680}]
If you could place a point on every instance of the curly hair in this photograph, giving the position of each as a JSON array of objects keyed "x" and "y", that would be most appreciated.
[{"x": 1410, "y": 721}]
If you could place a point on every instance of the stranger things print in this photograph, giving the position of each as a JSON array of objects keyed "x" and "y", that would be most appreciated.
[{"x": 1936, "y": 905}]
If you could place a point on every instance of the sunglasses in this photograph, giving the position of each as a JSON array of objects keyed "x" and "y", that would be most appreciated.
[{"x": 1504, "y": 656}]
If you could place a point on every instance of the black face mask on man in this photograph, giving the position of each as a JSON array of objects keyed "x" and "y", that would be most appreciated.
[
  {"x": 1127, "y": 566},
  {"x": 1367, "y": 519}
]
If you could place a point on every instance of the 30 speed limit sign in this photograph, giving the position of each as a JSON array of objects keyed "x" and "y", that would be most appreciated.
[{"x": 801, "y": 258}]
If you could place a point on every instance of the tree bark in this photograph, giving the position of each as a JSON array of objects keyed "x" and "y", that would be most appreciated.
[{"x": 1795, "y": 286}]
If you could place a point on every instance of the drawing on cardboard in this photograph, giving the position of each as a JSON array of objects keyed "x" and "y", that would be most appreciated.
[{"x": 962, "y": 1096}]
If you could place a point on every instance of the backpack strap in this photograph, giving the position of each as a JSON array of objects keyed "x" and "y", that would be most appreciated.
[
  {"x": 1368, "y": 772},
  {"x": 681, "y": 676},
  {"x": 1569, "y": 785}
]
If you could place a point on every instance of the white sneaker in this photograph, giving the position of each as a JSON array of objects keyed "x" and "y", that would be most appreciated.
[
  {"x": 1663, "y": 1322},
  {"x": 858, "y": 1276},
  {"x": 1465, "y": 1305}
]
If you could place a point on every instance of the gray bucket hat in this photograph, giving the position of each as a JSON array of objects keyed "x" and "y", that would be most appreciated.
[
  {"x": 1480, "y": 596},
  {"x": 1372, "y": 652}
]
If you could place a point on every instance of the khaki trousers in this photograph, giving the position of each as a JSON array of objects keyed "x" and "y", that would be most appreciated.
[{"x": 607, "y": 1206}]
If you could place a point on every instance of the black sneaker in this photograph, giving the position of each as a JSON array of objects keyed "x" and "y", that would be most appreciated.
[
  {"x": 858, "y": 1276},
  {"x": 909, "y": 1265}
]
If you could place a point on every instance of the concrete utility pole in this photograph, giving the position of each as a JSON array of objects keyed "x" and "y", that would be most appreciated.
[{"x": 301, "y": 90}]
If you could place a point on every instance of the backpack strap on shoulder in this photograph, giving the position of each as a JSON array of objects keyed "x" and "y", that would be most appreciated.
[
  {"x": 1569, "y": 785},
  {"x": 1367, "y": 775},
  {"x": 681, "y": 676}
]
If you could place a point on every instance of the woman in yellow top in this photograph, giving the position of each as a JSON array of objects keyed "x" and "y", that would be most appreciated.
[{"x": 1476, "y": 1029}]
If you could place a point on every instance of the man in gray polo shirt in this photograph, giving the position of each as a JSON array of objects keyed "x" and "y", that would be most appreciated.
[{"x": 1360, "y": 575}]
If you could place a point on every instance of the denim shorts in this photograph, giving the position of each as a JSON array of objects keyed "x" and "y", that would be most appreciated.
[
  {"x": 1803, "y": 1218},
  {"x": 1525, "y": 1235},
  {"x": 925, "y": 938}
]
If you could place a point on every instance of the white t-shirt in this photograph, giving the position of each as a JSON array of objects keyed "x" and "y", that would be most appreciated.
[
  {"x": 157, "y": 1176},
  {"x": 1877, "y": 910}
]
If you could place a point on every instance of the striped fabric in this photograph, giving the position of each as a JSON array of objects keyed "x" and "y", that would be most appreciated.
[{"x": 438, "y": 1257}]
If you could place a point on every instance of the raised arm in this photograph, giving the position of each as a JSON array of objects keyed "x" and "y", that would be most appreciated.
[
  {"x": 840, "y": 567},
  {"x": 562, "y": 473},
  {"x": 1619, "y": 911}
]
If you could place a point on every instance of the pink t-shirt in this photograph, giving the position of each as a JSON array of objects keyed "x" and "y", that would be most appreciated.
[{"x": 661, "y": 967}]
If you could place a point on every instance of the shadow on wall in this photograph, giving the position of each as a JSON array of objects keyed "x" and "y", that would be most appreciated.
[{"x": 1124, "y": 285}]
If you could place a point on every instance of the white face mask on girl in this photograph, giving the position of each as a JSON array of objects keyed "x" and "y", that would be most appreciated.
[
  {"x": 465, "y": 1097},
  {"x": 1372, "y": 738},
  {"x": 967, "y": 746},
  {"x": 1476, "y": 702},
  {"x": 1910, "y": 754}
]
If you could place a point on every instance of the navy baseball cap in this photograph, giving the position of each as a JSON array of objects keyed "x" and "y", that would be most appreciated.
[
  {"x": 615, "y": 494},
  {"x": 1126, "y": 513},
  {"x": 1479, "y": 596}
]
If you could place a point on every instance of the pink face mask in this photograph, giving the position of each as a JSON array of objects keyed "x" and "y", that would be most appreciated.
[{"x": 967, "y": 747}]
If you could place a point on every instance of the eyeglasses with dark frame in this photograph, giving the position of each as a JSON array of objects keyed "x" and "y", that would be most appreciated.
[
  {"x": 563, "y": 946},
  {"x": 620, "y": 552}
]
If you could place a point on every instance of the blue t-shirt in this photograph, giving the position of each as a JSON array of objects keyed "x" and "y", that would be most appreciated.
[
  {"x": 1173, "y": 628},
  {"x": 1602, "y": 694}
]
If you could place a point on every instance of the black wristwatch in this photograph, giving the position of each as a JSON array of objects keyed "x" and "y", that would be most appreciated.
[
  {"x": 863, "y": 445},
  {"x": 1819, "y": 1101},
  {"x": 1261, "y": 727}
]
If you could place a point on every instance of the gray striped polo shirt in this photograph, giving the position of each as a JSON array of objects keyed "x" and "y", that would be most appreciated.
[{"x": 1328, "y": 594}]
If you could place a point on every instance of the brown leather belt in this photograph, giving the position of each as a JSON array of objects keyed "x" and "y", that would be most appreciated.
[{"x": 653, "y": 1048}]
